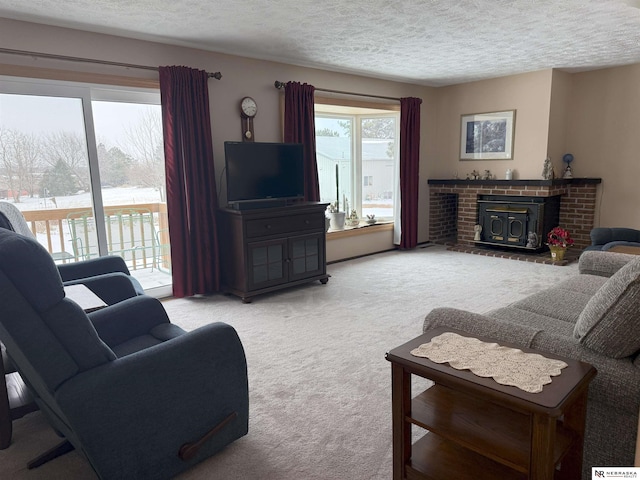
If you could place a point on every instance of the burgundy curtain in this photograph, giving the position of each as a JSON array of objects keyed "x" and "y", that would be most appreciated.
[
  {"x": 191, "y": 183},
  {"x": 300, "y": 127},
  {"x": 409, "y": 170}
]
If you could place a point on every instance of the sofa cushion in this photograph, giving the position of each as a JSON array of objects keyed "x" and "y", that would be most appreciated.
[{"x": 609, "y": 322}]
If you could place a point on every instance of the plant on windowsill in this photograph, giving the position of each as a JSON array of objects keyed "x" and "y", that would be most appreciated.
[
  {"x": 335, "y": 216},
  {"x": 558, "y": 240}
]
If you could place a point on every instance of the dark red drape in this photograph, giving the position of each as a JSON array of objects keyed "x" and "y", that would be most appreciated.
[
  {"x": 300, "y": 127},
  {"x": 409, "y": 170},
  {"x": 191, "y": 184}
]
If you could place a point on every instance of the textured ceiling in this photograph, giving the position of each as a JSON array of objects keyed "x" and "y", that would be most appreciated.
[{"x": 429, "y": 42}]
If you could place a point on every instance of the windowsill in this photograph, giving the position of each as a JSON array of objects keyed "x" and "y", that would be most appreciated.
[{"x": 362, "y": 229}]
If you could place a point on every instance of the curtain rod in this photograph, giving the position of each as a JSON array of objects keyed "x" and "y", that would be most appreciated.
[
  {"x": 216, "y": 75},
  {"x": 280, "y": 85}
]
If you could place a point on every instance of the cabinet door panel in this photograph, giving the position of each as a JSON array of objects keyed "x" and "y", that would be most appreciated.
[
  {"x": 266, "y": 263},
  {"x": 306, "y": 256}
]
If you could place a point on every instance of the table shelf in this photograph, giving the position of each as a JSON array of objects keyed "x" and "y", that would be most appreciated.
[
  {"x": 499, "y": 433},
  {"x": 479, "y": 429}
]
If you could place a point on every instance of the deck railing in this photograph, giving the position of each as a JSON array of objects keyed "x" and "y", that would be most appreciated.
[{"x": 56, "y": 230}]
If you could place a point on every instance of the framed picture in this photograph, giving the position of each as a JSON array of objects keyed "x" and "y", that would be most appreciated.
[{"x": 487, "y": 136}]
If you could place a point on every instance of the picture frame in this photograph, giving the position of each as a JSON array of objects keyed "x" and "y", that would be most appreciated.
[{"x": 487, "y": 136}]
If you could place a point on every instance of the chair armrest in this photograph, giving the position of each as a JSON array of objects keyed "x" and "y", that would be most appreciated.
[
  {"x": 110, "y": 287},
  {"x": 604, "y": 264},
  {"x": 92, "y": 267},
  {"x": 128, "y": 319},
  {"x": 133, "y": 414}
]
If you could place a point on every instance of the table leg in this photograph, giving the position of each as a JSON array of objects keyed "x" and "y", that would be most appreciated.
[
  {"x": 574, "y": 420},
  {"x": 401, "y": 407},
  {"x": 543, "y": 433}
]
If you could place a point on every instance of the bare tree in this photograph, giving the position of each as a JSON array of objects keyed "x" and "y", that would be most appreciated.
[
  {"x": 70, "y": 148},
  {"x": 20, "y": 158},
  {"x": 145, "y": 144}
]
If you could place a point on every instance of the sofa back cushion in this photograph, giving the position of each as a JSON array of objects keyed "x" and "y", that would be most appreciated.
[{"x": 609, "y": 323}]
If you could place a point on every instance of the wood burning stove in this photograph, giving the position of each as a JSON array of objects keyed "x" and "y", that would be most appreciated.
[{"x": 517, "y": 221}]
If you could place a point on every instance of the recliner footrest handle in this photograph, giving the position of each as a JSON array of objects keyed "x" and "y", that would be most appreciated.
[{"x": 189, "y": 450}]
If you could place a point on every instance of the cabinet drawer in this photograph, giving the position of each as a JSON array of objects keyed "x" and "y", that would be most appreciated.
[{"x": 279, "y": 225}]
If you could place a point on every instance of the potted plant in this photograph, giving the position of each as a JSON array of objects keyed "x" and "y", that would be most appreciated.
[
  {"x": 558, "y": 240},
  {"x": 335, "y": 216}
]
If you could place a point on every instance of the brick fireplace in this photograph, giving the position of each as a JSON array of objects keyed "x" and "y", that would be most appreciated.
[{"x": 453, "y": 205}]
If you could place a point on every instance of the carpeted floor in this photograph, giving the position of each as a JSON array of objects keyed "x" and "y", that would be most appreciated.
[{"x": 320, "y": 397}]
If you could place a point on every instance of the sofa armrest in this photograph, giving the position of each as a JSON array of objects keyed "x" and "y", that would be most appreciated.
[
  {"x": 480, "y": 325},
  {"x": 130, "y": 318},
  {"x": 617, "y": 382},
  {"x": 618, "y": 379},
  {"x": 131, "y": 416},
  {"x": 604, "y": 264}
]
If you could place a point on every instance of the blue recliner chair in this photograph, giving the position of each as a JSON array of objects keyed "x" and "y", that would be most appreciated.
[
  {"x": 135, "y": 394},
  {"x": 605, "y": 238},
  {"x": 108, "y": 277}
]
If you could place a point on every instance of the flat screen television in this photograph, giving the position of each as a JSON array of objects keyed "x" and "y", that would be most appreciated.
[{"x": 259, "y": 171}]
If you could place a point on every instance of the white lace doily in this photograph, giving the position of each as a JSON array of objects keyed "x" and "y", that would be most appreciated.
[{"x": 507, "y": 366}]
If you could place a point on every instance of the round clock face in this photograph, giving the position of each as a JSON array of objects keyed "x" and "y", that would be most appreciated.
[{"x": 249, "y": 107}]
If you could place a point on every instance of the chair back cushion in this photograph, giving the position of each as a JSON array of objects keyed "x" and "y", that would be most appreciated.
[
  {"x": 610, "y": 322},
  {"x": 5, "y": 223},
  {"x": 49, "y": 337},
  {"x": 604, "y": 235}
]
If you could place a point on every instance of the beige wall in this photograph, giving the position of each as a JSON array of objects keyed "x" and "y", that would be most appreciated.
[
  {"x": 594, "y": 115},
  {"x": 528, "y": 94},
  {"x": 603, "y": 134}
]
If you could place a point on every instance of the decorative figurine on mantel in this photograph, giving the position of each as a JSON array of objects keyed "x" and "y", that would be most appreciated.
[
  {"x": 567, "y": 158},
  {"x": 487, "y": 175},
  {"x": 547, "y": 171},
  {"x": 475, "y": 175}
]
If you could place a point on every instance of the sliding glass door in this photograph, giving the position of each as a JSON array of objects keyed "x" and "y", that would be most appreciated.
[{"x": 85, "y": 166}]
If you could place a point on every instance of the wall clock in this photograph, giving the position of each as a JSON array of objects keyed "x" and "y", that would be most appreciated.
[{"x": 248, "y": 110}]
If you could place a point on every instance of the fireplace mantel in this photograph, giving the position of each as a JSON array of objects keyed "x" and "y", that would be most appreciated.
[
  {"x": 516, "y": 183},
  {"x": 453, "y": 205}
]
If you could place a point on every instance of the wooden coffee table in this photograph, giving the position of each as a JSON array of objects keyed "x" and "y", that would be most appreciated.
[{"x": 479, "y": 429}]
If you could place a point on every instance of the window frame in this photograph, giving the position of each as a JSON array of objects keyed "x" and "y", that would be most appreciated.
[{"x": 357, "y": 111}]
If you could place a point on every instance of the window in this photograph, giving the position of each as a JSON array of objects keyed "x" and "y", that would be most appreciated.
[
  {"x": 354, "y": 144},
  {"x": 73, "y": 153}
]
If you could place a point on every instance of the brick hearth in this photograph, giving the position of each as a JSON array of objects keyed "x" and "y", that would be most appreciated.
[{"x": 453, "y": 207}]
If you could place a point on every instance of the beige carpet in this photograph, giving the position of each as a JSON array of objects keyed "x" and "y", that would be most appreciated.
[{"x": 320, "y": 397}]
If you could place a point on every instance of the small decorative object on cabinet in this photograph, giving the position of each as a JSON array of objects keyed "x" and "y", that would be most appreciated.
[
  {"x": 479, "y": 428},
  {"x": 268, "y": 249}
]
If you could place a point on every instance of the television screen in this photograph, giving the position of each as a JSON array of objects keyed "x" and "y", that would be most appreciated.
[{"x": 263, "y": 171}]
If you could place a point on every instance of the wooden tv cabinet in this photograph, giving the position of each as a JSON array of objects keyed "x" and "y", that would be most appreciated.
[{"x": 267, "y": 249}]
